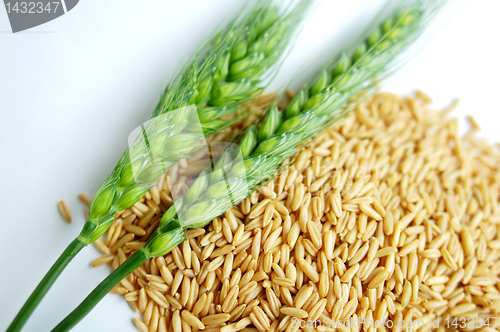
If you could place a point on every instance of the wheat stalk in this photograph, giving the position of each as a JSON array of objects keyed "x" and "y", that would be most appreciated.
[
  {"x": 224, "y": 74},
  {"x": 276, "y": 139}
]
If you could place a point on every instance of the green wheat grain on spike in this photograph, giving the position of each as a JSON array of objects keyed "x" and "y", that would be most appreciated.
[
  {"x": 267, "y": 146},
  {"x": 225, "y": 73}
]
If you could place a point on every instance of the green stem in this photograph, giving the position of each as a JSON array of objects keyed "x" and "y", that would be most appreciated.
[
  {"x": 101, "y": 290},
  {"x": 22, "y": 316}
]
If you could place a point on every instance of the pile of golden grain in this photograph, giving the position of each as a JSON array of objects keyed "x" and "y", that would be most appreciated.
[{"x": 389, "y": 216}]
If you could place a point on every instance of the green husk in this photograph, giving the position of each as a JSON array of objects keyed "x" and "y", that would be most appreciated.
[{"x": 309, "y": 113}]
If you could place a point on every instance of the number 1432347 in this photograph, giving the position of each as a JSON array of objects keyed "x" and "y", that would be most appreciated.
[
  {"x": 32, "y": 7},
  {"x": 470, "y": 322}
]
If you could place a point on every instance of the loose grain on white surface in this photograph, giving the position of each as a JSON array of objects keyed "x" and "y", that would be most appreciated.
[
  {"x": 400, "y": 220},
  {"x": 86, "y": 199},
  {"x": 63, "y": 207}
]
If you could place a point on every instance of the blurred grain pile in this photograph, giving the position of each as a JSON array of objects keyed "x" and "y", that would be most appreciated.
[{"x": 390, "y": 215}]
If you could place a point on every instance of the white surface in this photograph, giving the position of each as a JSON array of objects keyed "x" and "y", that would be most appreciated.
[{"x": 72, "y": 90}]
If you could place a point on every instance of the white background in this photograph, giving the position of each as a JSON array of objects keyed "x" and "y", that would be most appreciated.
[{"x": 73, "y": 89}]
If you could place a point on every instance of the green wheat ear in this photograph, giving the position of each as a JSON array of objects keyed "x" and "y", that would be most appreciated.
[
  {"x": 226, "y": 72},
  {"x": 318, "y": 104}
]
